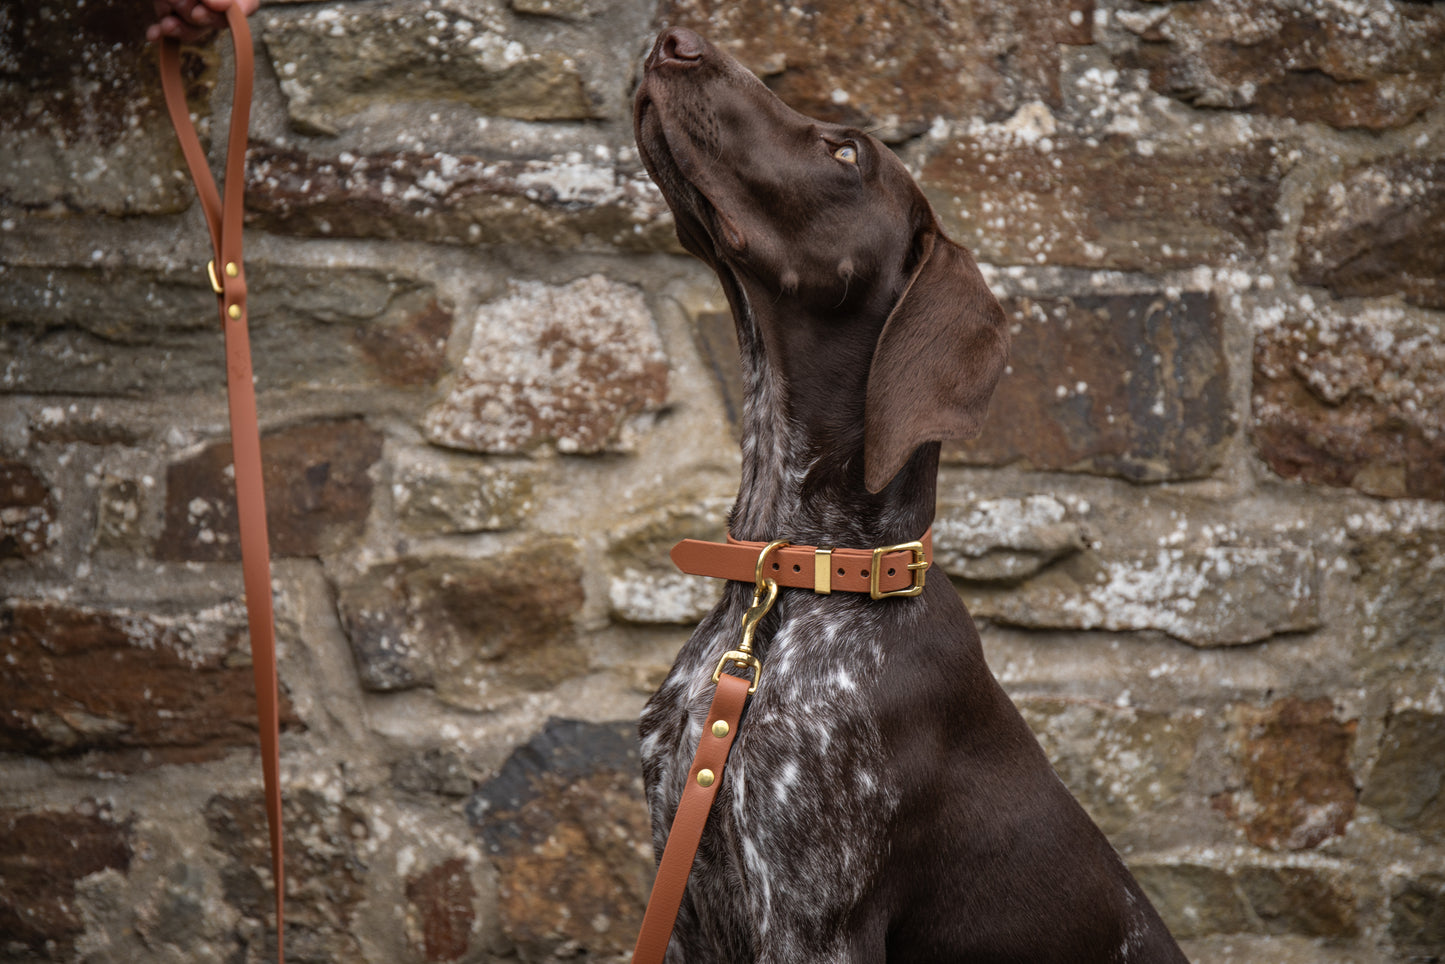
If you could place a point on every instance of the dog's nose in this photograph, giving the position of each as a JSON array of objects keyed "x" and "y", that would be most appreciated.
[{"x": 677, "y": 47}]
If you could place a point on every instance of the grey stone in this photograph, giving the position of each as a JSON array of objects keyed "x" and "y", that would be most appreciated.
[
  {"x": 436, "y": 494},
  {"x": 1003, "y": 540},
  {"x": 1407, "y": 783},
  {"x": 644, "y": 586}
]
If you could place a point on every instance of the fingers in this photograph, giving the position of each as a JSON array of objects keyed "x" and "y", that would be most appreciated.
[{"x": 192, "y": 20}]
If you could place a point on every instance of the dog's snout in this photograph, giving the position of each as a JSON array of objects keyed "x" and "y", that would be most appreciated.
[{"x": 677, "y": 47}]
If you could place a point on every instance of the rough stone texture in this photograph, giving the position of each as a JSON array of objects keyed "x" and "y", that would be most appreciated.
[
  {"x": 318, "y": 494},
  {"x": 1215, "y": 596},
  {"x": 1373, "y": 69},
  {"x": 1031, "y": 193},
  {"x": 1136, "y": 386},
  {"x": 127, "y": 689},
  {"x": 43, "y": 854},
  {"x": 82, "y": 115},
  {"x": 1203, "y": 535},
  {"x": 476, "y": 630},
  {"x": 892, "y": 66},
  {"x": 1298, "y": 789},
  {"x": 570, "y": 365},
  {"x": 1379, "y": 231},
  {"x": 335, "y": 61},
  {"x": 1407, "y": 784},
  {"x": 27, "y": 511},
  {"x": 556, "y": 202},
  {"x": 567, "y": 828},
  {"x": 1353, "y": 400}
]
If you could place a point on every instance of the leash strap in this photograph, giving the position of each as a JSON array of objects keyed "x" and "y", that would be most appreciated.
[
  {"x": 228, "y": 279},
  {"x": 703, "y": 779}
]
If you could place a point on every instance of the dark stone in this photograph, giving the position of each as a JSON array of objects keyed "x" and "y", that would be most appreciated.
[
  {"x": 43, "y": 853},
  {"x": 1300, "y": 900},
  {"x": 318, "y": 494},
  {"x": 1298, "y": 788},
  {"x": 1379, "y": 231},
  {"x": 457, "y": 200},
  {"x": 1417, "y": 916},
  {"x": 1129, "y": 385},
  {"x": 323, "y": 863},
  {"x": 82, "y": 115},
  {"x": 1346, "y": 403},
  {"x": 441, "y": 905},
  {"x": 894, "y": 66},
  {"x": 1407, "y": 784},
  {"x": 27, "y": 511},
  {"x": 477, "y": 630},
  {"x": 436, "y": 771},
  {"x": 1100, "y": 205},
  {"x": 567, "y": 827},
  {"x": 413, "y": 352},
  {"x": 1308, "y": 63},
  {"x": 1193, "y": 899},
  {"x": 140, "y": 689}
]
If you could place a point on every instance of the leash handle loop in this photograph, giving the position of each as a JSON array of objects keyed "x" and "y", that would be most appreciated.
[{"x": 224, "y": 217}]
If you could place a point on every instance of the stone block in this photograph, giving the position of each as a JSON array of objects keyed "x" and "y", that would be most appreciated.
[
  {"x": 1406, "y": 786},
  {"x": 896, "y": 67},
  {"x": 567, "y": 827},
  {"x": 1298, "y": 790},
  {"x": 564, "y": 202},
  {"x": 324, "y": 866},
  {"x": 1214, "y": 596},
  {"x": 82, "y": 115},
  {"x": 43, "y": 854},
  {"x": 132, "y": 689},
  {"x": 478, "y": 631},
  {"x": 1371, "y": 68},
  {"x": 1378, "y": 231},
  {"x": 645, "y": 587},
  {"x": 435, "y": 771},
  {"x": 1417, "y": 915},
  {"x": 1197, "y": 900},
  {"x": 1355, "y": 401},
  {"x": 1126, "y": 385},
  {"x": 123, "y": 506},
  {"x": 441, "y": 911},
  {"x": 336, "y": 61},
  {"x": 438, "y": 494},
  {"x": 1194, "y": 900},
  {"x": 1062, "y": 200},
  {"x": 1120, "y": 763},
  {"x": 1003, "y": 540},
  {"x": 28, "y": 520},
  {"x": 318, "y": 494},
  {"x": 574, "y": 366}
]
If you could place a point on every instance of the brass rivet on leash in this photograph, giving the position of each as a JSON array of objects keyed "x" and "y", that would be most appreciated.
[
  {"x": 705, "y": 778},
  {"x": 234, "y": 311},
  {"x": 231, "y": 270},
  {"x": 720, "y": 729}
]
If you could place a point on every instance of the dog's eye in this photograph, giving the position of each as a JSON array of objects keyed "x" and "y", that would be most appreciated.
[{"x": 848, "y": 154}]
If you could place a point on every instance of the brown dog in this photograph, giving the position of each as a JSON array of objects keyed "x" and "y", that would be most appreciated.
[{"x": 884, "y": 799}]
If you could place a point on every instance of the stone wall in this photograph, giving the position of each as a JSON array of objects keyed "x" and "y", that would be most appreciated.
[{"x": 1204, "y": 531}]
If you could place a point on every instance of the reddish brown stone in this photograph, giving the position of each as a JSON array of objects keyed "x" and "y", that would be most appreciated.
[
  {"x": 443, "y": 902},
  {"x": 139, "y": 689},
  {"x": 567, "y": 827},
  {"x": 1378, "y": 232},
  {"x": 27, "y": 510},
  {"x": 1353, "y": 402},
  {"x": 1378, "y": 70},
  {"x": 1066, "y": 201},
  {"x": 1128, "y": 385},
  {"x": 42, "y": 855},
  {"x": 477, "y": 630},
  {"x": 896, "y": 65},
  {"x": 459, "y": 199},
  {"x": 323, "y": 864},
  {"x": 412, "y": 352},
  {"x": 318, "y": 494},
  {"x": 1298, "y": 788}
]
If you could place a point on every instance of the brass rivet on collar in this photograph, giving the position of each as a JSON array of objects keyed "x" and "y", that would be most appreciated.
[
  {"x": 705, "y": 778},
  {"x": 720, "y": 729}
]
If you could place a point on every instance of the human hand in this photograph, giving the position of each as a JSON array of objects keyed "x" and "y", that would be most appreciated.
[{"x": 192, "y": 20}]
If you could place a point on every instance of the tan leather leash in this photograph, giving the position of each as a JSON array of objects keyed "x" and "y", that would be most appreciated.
[{"x": 228, "y": 279}]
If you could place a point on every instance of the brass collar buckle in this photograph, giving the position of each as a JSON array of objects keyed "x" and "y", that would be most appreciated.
[
  {"x": 919, "y": 568},
  {"x": 764, "y": 596}
]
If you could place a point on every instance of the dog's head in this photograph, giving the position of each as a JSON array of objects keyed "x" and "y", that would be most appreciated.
[{"x": 826, "y": 221}]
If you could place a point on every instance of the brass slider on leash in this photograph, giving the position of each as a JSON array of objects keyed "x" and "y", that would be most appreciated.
[{"x": 764, "y": 596}]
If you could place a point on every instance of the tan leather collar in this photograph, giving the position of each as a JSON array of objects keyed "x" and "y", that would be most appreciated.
[{"x": 883, "y": 572}]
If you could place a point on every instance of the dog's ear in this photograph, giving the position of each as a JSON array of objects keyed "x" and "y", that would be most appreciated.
[{"x": 941, "y": 353}]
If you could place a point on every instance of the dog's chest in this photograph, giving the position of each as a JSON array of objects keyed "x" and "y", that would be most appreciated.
[{"x": 806, "y": 795}]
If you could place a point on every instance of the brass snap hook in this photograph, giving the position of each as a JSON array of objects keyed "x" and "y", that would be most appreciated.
[{"x": 764, "y": 596}]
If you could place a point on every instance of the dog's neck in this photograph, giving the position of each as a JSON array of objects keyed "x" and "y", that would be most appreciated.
[{"x": 802, "y": 454}]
